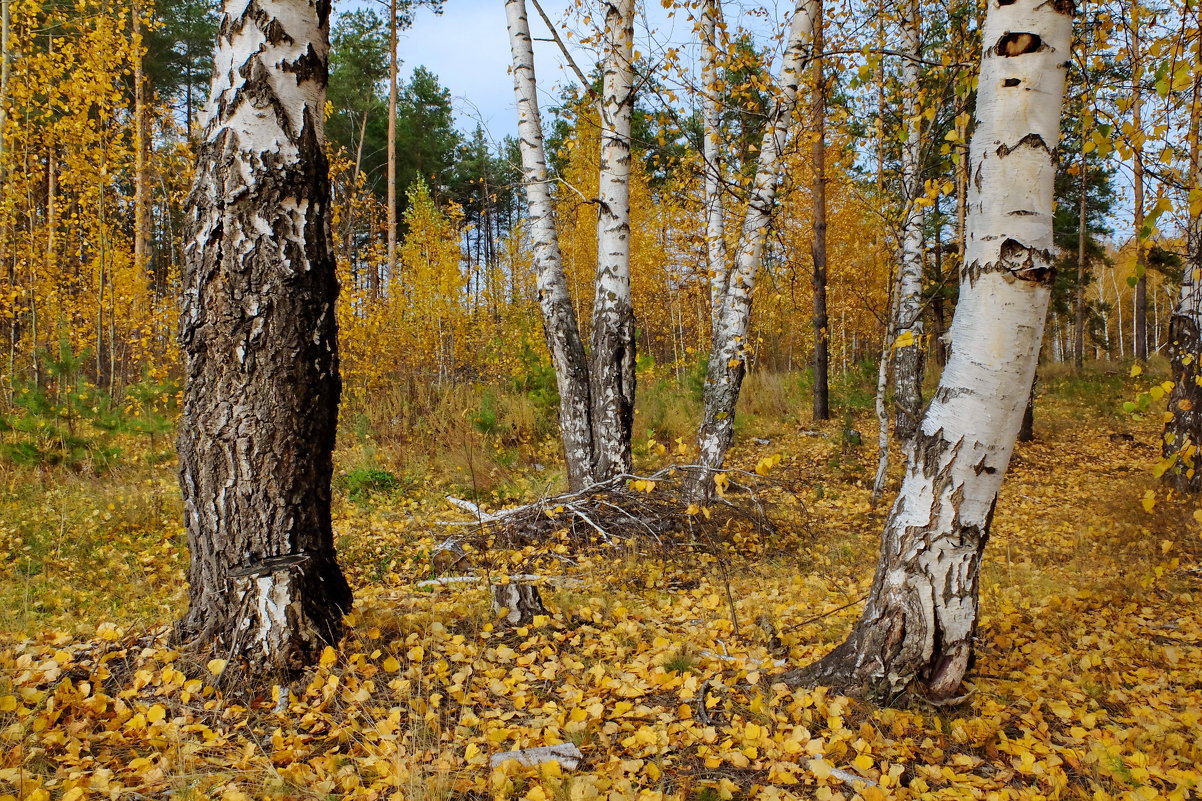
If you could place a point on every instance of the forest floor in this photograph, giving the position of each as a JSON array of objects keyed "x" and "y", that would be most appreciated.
[{"x": 1087, "y": 682}]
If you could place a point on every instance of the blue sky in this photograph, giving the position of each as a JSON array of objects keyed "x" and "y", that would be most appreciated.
[{"x": 467, "y": 47}]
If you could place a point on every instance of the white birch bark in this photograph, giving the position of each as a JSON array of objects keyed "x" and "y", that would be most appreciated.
[
  {"x": 729, "y": 352},
  {"x": 1183, "y": 432},
  {"x": 908, "y": 359},
  {"x": 559, "y": 317},
  {"x": 715, "y": 173},
  {"x": 918, "y": 623},
  {"x": 613, "y": 346}
]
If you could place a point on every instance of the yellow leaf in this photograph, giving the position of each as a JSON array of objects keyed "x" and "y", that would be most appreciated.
[
  {"x": 820, "y": 768},
  {"x": 1148, "y": 501},
  {"x": 1136, "y": 370},
  {"x": 416, "y": 653},
  {"x": 156, "y": 713},
  {"x": 904, "y": 340},
  {"x": 328, "y": 657},
  {"x": 863, "y": 762},
  {"x": 216, "y": 666},
  {"x": 8, "y": 703},
  {"x": 391, "y": 665}
]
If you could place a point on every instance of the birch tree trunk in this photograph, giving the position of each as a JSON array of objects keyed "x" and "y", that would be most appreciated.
[
  {"x": 141, "y": 147},
  {"x": 821, "y": 405},
  {"x": 1183, "y": 432},
  {"x": 560, "y": 325},
  {"x": 908, "y": 359},
  {"x": 729, "y": 352},
  {"x": 715, "y": 172},
  {"x": 258, "y": 332},
  {"x": 613, "y": 348},
  {"x": 1139, "y": 335},
  {"x": 917, "y": 627},
  {"x": 390, "y": 257}
]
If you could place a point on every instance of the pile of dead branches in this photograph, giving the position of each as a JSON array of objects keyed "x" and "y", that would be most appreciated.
[{"x": 628, "y": 510}]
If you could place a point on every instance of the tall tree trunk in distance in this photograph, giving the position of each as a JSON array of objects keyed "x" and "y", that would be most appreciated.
[
  {"x": 613, "y": 352},
  {"x": 729, "y": 352},
  {"x": 908, "y": 359},
  {"x": 141, "y": 147},
  {"x": 715, "y": 171},
  {"x": 1079, "y": 300},
  {"x": 560, "y": 325},
  {"x": 258, "y": 332},
  {"x": 1140, "y": 337},
  {"x": 1183, "y": 431},
  {"x": 390, "y": 257},
  {"x": 5, "y": 48},
  {"x": 887, "y": 328},
  {"x": 822, "y": 407},
  {"x": 917, "y": 627}
]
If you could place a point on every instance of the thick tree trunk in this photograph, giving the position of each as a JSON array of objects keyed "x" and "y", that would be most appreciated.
[
  {"x": 1183, "y": 431},
  {"x": 917, "y": 627},
  {"x": 613, "y": 347},
  {"x": 729, "y": 352},
  {"x": 821, "y": 407},
  {"x": 908, "y": 360},
  {"x": 559, "y": 317},
  {"x": 258, "y": 331},
  {"x": 715, "y": 171}
]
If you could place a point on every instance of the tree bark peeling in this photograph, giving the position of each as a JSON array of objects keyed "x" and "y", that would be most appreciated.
[
  {"x": 259, "y": 337},
  {"x": 917, "y": 628}
]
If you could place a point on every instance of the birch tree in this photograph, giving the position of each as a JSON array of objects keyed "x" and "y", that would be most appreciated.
[
  {"x": 1183, "y": 430},
  {"x": 917, "y": 627},
  {"x": 613, "y": 347},
  {"x": 729, "y": 352},
  {"x": 908, "y": 359},
  {"x": 560, "y": 325},
  {"x": 258, "y": 331},
  {"x": 715, "y": 172}
]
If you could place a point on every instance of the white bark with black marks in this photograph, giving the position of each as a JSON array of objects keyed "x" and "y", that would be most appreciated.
[
  {"x": 1183, "y": 431},
  {"x": 613, "y": 345},
  {"x": 713, "y": 163},
  {"x": 261, "y": 363},
  {"x": 729, "y": 352},
  {"x": 908, "y": 358},
  {"x": 560, "y": 325},
  {"x": 917, "y": 628}
]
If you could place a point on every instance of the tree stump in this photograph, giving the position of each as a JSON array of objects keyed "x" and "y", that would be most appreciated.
[{"x": 521, "y": 603}]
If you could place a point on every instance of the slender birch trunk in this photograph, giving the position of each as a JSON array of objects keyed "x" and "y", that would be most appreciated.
[
  {"x": 729, "y": 352},
  {"x": 1140, "y": 312},
  {"x": 1079, "y": 302},
  {"x": 390, "y": 256},
  {"x": 715, "y": 170},
  {"x": 560, "y": 325},
  {"x": 908, "y": 359},
  {"x": 141, "y": 147},
  {"x": 821, "y": 406},
  {"x": 612, "y": 370},
  {"x": 258, "y": 330},
  {"x": 1183, "y": 432},
  {"x": 917, "y": 627}
]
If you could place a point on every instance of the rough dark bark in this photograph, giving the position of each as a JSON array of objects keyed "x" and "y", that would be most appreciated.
[
  {"x": 1026, "y": 431},
  {"x": 258, "y": 334},
  {"x": 822, "y": 406},
  {"x": 520, "y": 603}
]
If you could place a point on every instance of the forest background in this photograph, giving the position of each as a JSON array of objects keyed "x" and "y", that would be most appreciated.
[{"x": 446, "y": 381}]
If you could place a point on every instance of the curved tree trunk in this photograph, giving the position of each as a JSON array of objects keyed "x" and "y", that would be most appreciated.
[
  {"x": 917, "y": 628},
  {"x": 729, "y": 352},
  {"x": 1183, "y": 431},
  {"x": 908, "y": 359},
  {"x": 613, "y": 351},
  {"x": 559, "y": 317},
  {"x": 258, "y": 331}
]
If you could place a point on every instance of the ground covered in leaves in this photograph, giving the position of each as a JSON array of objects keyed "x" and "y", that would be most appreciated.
[{"x": 657, "y": 662}]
